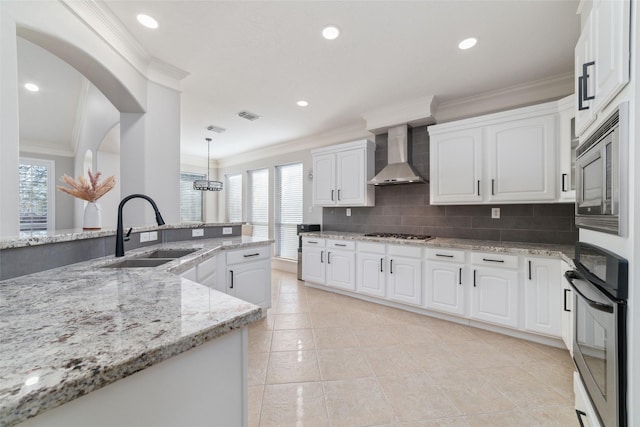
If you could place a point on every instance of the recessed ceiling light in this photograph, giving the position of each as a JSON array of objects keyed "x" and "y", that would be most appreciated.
[
  {"x": 147, "y": 21},
  {"x": 467, "y": 43},
  {"x": 302, "y": 103},
  {"x": 330, "y": 32},
  {"x": 31, "y": 87}
]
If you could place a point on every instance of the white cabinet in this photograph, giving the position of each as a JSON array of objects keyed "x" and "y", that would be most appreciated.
[
  {"x": 601, "y": 59},
  {"x": 522, "y": 160},
  {"x": 494, "y": 294},
  {"x": 313, "y": 260},
  {"x": 341, "y": 173},
  {"x": 567, "y": 309},
  {"x": 341, "y": 260},
  {"x": 371, "y": 261},
  {"x": 248, "y": 275},
  {"x": 543, "y": 297},
  {"x": 456, "y": 166},
  {"x": 508, "y": 157},
  {"x": 445, "y": 281},
  {"x": 404, "y": 277},
  {"x": 568, "y": 142}
]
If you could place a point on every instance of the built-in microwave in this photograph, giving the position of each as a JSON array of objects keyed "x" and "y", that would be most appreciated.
[{"x": 602, "y": 175}]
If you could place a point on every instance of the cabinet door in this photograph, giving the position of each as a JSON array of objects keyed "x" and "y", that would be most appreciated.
[
  {"x": 567, "y": 143},
  {"x": 313, "y": 261},
  {"x": 341, "y": 269},
  {"x": 324, "y": 180},
  {"x": 611, "y": 25},
  {"x": 522, "y": 160},
  {"x": 456, "y": 167},
  {"x": 445, "y": 288},
  {"x": 351, "y": 175},
  {"x": 370, "y": 274},
  {"x": 584, "y": 54},
  {"x": 567, "y": 310},
  {"x": 494, "y": 296},
  {"x": 543, "y": 296},
  {"x": 404, "y": 280},
  {"x": 251, "y": 282}
]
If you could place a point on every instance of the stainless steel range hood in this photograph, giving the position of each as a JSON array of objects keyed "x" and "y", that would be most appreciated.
[{"x": 398, "y": 169}]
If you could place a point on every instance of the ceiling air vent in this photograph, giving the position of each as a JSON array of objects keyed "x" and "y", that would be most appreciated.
[
  {"x": 248, "y": 115},
  {"x": 216, "y": 129}
]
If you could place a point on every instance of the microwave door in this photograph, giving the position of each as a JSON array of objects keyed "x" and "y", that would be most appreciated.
[{"x": 592, "y": 189}]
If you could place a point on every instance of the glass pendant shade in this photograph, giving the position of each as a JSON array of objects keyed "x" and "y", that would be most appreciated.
[{"x": 207, "y": 184}]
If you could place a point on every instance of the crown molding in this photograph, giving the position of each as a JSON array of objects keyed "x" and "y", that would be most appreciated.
[
  {"x": 530, "y": 93},
  {"x": 414, "y": 112},
  {"x": 166, "y": 74},
  {"x": 334, "y": 136}
]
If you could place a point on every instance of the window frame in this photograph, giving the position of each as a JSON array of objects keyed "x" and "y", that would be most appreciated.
[
  {"x": 278, "y": 208},
  {"x": 250, "y": 201},
  {"x": 51, "y": 194},
  {"x": 228, "y": 185},
  {"x": 194, "y": 175}
]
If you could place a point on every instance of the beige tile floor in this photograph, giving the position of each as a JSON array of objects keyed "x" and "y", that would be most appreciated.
[{"x": 322, "y": 359}]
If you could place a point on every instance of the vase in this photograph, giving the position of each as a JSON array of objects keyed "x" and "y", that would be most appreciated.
[{"x": 92, "y": 216}]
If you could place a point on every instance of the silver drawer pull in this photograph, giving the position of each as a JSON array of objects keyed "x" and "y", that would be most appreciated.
[
  {"x": 340, "y": 244},
  {"x": 444, "y": 256},
  {"x": 492, "y": 260},
  {"x": 311, "y": 241},
  {"x": 250, "y": 255}
]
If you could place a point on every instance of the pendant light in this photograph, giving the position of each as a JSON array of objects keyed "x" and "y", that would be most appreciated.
[{"x": 206, "y": 184}]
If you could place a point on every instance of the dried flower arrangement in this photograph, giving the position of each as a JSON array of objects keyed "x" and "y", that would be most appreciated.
[{"x": 90, "y": 190}]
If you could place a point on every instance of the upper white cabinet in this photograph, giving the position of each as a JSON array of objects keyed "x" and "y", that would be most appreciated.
[
  {"x": 341, "y": 173},
  {"x": 601, "y": 59},
  {"x": 507, "y": 157},
  {"x": 568, "y": 142}
]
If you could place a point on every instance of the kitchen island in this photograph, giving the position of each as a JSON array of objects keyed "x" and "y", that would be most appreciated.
[{"x": 130, "y": 346}]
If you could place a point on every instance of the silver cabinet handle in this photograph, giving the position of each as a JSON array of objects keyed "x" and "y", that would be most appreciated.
[
  {"x": 492, "y": 260},
  {"x": 460, "y": 276},
  {"x": 231, "y": 271},
  {"x": 474, "y": 277},
  {"x": 341, "y": 245},
  {"x": 444, "y": 256},
  {"x": 329, "y": 257},
  {"x": 321, "y": 257},
  {"x": 338, "y": 195},
  {"x": 478, "y": 187},
  {"x": 391, "y": 266},
  {"x": 250, "y": 255},
  {"x": 529, "y": 270},
  {"x": 332, "y": 191},
  {"x": 381, "y": 259}
]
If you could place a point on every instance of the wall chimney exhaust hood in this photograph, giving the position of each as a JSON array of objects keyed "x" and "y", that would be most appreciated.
[{"x": 395, "y": 122}]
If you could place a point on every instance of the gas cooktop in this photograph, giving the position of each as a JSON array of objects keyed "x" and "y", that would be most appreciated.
[{"x": 400, "y": 236}]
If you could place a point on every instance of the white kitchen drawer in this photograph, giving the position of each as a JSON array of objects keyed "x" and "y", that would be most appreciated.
[
  {"x": 313, "y": 241},
  {"x": 437, "y": 254},
  {"x": 372, "y": 248},
  {"x": 347, "y": 245},
  {"x": 207, "y": 268},
  {"x": 493, "y": 259},
  {"x": 406, "y": 251},
  {"x": 247, "y": 255}
]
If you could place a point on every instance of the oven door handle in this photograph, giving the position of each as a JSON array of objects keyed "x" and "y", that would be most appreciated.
[{"x": 571, "y": 275}]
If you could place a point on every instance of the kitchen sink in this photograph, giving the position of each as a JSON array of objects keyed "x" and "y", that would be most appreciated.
[{"x": 152, "y": 259}]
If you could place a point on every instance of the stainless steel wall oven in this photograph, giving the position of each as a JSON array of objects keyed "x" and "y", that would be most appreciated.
[
  {"x": 600, "y": 284},
  {"x": 602, "y": 175}
]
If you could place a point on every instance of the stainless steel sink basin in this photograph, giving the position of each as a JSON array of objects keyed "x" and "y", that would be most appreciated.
[
  {"x": 168, "y": 253},
  {"x": 139, "y": 262}
]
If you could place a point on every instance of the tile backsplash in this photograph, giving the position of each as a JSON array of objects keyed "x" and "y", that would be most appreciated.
[{"x": 406, "y": 209}]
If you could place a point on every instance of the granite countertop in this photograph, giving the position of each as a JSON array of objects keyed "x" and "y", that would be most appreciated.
[
  {"x": 71, "y": 330},
  {"x": 565, "y": 252}
]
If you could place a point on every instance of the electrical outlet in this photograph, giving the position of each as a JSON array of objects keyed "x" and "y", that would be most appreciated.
[
  {"x": 197, "y": 232},
  {"x": 495, "y": 213},
  {"x": 153, "y": 235},
  {"x": 227, "y": 230},
  {"x": 348, "y": 211},
  {"x": 144, "y": 237}
]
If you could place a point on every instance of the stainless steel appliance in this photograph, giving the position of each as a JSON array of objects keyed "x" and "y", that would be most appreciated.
[
  {"x": 600, "y": 284},
  {"x": 303, "y": 228},
  {"x": 602, "y": 176}
]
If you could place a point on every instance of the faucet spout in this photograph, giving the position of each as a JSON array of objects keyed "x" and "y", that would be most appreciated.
[{"x": 120, "y": 232}]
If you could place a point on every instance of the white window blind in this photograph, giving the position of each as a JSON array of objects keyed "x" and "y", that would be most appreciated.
[
  {"x": 288, "y": 209},
  {"x": 191, "y": 201},
  {"x": 258, "y": 202},
  {"x": 234, "y": 197},
  {"x": 36, "y": 197}
]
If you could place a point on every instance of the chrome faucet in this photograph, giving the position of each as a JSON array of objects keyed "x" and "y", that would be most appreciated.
[{"x": 119, "y": 232}]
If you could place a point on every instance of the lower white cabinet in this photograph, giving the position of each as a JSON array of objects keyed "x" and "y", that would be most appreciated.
[
  {"x": 584, "y": 409},
  {"x": 248, "y": 275},
  {"x": 404, "y": 277},
  {"x": 313, "y": 265},
  {"x": 542, "y": 296},
  {"x": 371, "y": 260},
  {"x": 445, "y": 289},
  {"x": 494, "y": 291},
  {"x": 341, "y": 271},
  {"x": 567, "y": 308},
  {"x": 329, "y": 262}
]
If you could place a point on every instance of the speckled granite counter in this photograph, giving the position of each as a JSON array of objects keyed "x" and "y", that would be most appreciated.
[
  {"x": 68, "y": 331},
  {"x": 565, "y": 252}
]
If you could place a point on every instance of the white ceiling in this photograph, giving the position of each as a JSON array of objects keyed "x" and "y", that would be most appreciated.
[{"x": 263, "y": 56}]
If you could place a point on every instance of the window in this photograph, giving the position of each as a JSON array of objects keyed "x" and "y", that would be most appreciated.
[
  {"x": 258, "y": 202},
  {"x": 191, "y": 201},
  {"x": 289, "y": 209},
  {"x": 234, "y": 197},
  {"x": 36, "y": 197}
]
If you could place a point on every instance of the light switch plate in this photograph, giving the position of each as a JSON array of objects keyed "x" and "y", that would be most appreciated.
[
  {"x": 227, "y": 230},
  {"x": 197, "y": 232},
  {"x": 153, "y": 235},
  {"x": 144, "y": 237},
  {"x": 495, "y": 213}
]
